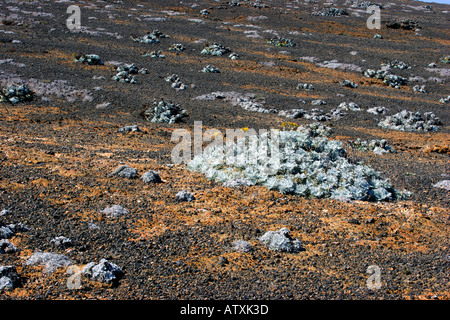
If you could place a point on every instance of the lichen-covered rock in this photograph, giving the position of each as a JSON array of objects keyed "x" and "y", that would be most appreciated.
[
  {"x": 242, "y": 246},
  {"x": 61, "y": 242},
  {"x": 165, "y": 112},
  {"x": 281, "y": 241},
  {"x": 184, "y": 195},
  {"x": 7, "y": 247},
  {"x": 124, "y": 171},
  {"x": 104, "y": 271},
  {"x": 151, "y": 176},
  {"x": 411, "y": 121},
  {"x": 8, "y": 278}
]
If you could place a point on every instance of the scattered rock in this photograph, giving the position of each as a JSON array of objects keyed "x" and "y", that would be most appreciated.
[
  {"x": 184, "y": 195},
  {"x": 124, "y": 171},
  {"x": 104, "y": 271},
  {"x": 132, "y": 128},
  {"x": 151, "y": 177},
  {"x": 7, "y": 247},
  {"x": 90, "y": 59},
  {"x": 61, "y": 242},
  {"x": 9, "y": 278},
  {"x": 281, "y": 241}
]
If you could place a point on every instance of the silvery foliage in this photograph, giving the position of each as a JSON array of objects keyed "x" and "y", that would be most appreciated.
[
  {"x": 215, "y": 49},
  {"x": 51, "y": 261},
  {"x": 293, "y": 163},
  {"x": 242, "y": 246},
  {"x": 377, "y": 110},
  {"x": 115, "y": 211},
  {"x": 281, "y": 42},
  {"x": 126, "y": 71},
  {"x": 281, "y": 241},
  {"x": 411, "y": 121},
  {"x": 330, "y": 12},
  {"x": 420, "y": 88},
  {"x": 165, "y": 112},
  {"x": 389, "y": 79},
  {"x": 176, "y": 47},
  {"x": 16, "y": 94},
  {"x": 348, "y": 83},
  {"x": 177, "y": 84},
  {"x": 104, "y": 271},
  {"x": 90, "y": 59},
  {"x": 210, "y": 69},
  {"x": 376, "y": 146},
  {"x": 151, "y": 37}
]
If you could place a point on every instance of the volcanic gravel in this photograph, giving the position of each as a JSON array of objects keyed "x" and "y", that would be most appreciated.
[{"x": 58, "y": 151}]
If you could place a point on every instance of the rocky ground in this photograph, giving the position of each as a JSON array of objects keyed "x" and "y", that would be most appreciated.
[{"x": 59, "y": 148}]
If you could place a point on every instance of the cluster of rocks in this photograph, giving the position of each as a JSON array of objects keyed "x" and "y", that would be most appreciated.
[
  {"x": 126, "y": 73},
  {"x": 215, "y": 49},
  {"x": 125, "y": 171},
  {"x": 90, "y": 59},
  {"x": 351, "y": 106},
  {"x": 15, "y": 94},
  {"x": 281, "y": 42},
  {"x": 411, "y": 121},
  {"x": 329, "y": 11},
  {"x": 302, "y": 165},
  {"x": 152, "y": 37},
  {"x": 49, "y": 260},
  {"x": 165, "y": 112},
  {"x": 378, "y": 147},
  {"x": 314, "y": 114},
  {"x": 176, "y": 82}
]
